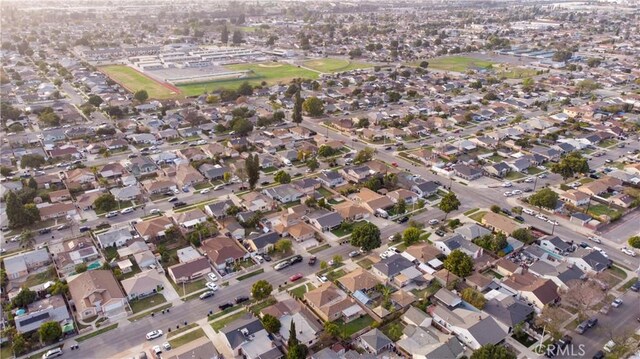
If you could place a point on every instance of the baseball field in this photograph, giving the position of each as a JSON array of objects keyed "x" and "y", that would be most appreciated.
[{"x": 134, "y": 80}]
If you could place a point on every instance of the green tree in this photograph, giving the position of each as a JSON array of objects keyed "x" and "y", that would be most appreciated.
[
  {"x": 27, "y": 239},
  {"x": 24, "y": 298},
  {"x": 283, "y": 245},
  {"x": 474, "y": 297},
  {"x": 313, "y": 164},
  {"x": 495, "y": 208},
  {"x": 570, "y": 165},
  {"x": 449, "y": 203},
  {"x": 490, "y": 351},
  {"x": 105, "y": 202},
  {"x": 282, "y": 177},
  {"x": 296, "y": 117},
  {"x": 15, "y": 211},
  {"x": 261, "y": 290},
  {"x": 546, "y": 198},
  {"x": 237, "y": 37},
  {"x": 226, "y": 177},
  {"x": 50, "y": 332},
  {"x": 410, "y": 236},
  {"x": 245, "y": 89},
  {"x": 364, "y": 155},
  {"x": 81, "y": 268},
  {"x": 141, "y": 95},
  {"x": 332, "y": 329},
  {"x": 459, "y": 263},
  {"x": 95, "y": 100},
  {"x": 527, "y": 84},
  {"x": 366, "y": 236},
  {"x": 313, "y": 106},
  {"x": 296, "y": 350},
  {"x": 242, "y": 126},
  {"x": 424, "y": 64},
  {"x": 634, "y": 241},
  {"x": 224, "y": 35},
  {"x": 32, "y": 161},
  {"x": 524, "y": 235},
  {"x": 19, "y": 344},
  {"x": 49, "y": 117},
  {"x": 212, "y": 99},
  {"x": 271, "y": 324},
  {"x": 5, "y": 171},
  {"x": 252, "y": 168},
  {"x": 401, "y": 206},
  {"x": 325, "y": 151}
]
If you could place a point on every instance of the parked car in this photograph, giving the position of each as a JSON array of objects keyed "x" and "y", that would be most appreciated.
[
  {"x": 582, "y": 327},
  {"x": 127, "y": 210},
  {"x": 52, "y": 353},
  {"x": 434, "y": 221},
  {"x": 112, "y": 214},
  {"x": 241, "y": 299},
  {"x": 353, "y": 254},
  {"x": 166, "y": 346},
  {"x": 154, "y": 334},
  {"x": 312, "y": 260},
  {"x": 225, "y": 305},
  {"x": 296, "y": 277},
  {"x": 212, "y": 286},
  {"x": 402, "y": 219},
  {"x": 636, "y": 286},
  {"x": 281, "y": 265},
  {"x": 440, "y": 233},
  {"x": 266, "y": 257},
  {"x": 616, "y": 302},
  {"x": 84, "y": 229},
  {"x": 322, "y": 278},
  {"x": 172, "y": 199},
  {"x": 584, "y": 245},
  {"x": 212, "y": 276},
  {"x": 628, "y": 251},
  {"x": 179, "y": 204},
  {"x": 44, "y": 230},
  {"x": 207, "y": 294},
  {"x": 519, "y": 218},
  {"x": 595, "y": 239},
  {"x": 592, "y": 322},
  {"x": 295, "y": 259}
]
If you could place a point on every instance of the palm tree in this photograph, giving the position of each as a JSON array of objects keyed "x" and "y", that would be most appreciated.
[{"x": 27, "y": 239}]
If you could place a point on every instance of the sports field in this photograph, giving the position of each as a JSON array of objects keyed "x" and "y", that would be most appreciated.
[
  {"x": 515, "y": 72},
  {"x": 330, "y": 65},
  {"x": 134, "y": 80},
  {"x": 457, "y": 63},
  {"x": 270, "y": 72}
]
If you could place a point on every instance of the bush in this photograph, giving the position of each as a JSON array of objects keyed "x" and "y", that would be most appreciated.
[{"x": 634, "y": 241}]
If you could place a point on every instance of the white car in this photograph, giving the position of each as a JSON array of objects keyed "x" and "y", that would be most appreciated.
[
  {"x": 111, "y": 214},
  {"x": 393, "y": 249},
  {"x": 157, "y": 350},
  {"x": 322, "y": 278},
  {"x": 155, "y": 211},
  {"x": 176, "y": 191},
  {"x": 154, "y": 334},
  {"x": 542, "y": 176},
  {"x": 205, "y": 191},
  {"x": 551, "y": 221},
  {"x": 616, "y": 302},
  {"x": 507, "y": 184},
  {"x": 384, "y": 255},
  {"x": 541, "y": 216},
  {"x": 212, "y": 286},
  {"x": 212, "y": 276},
  {"x": 127, "y": 210},
  {"x": 595, "y": 239},
  {"x": 528, "y": 211},
  {"x": 433, "y": 221},
  {"x": 392, "y": 237},
  {"x": 517, "y": 192},
  {"x": 55, "y": 352},
  {"x": 166, "y": 346},
  {"x": 628, "y": 251},
  {"x": 528, "y": 180},
  {"x": 507, "y": 194}
]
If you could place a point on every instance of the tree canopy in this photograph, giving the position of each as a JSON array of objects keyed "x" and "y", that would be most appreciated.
[
  {"x": 313, "y": 106},
  {"x": 282, "y": 177},
  {"x": 105, "y": 202},
  {"x": 32, "y": 161},
  {"x": 459, "y": 263},
  {"x": 261, "y": 289},
  {"x": 271, "y": 324},
  {"x": 546, "y": 198},
  {"x": 141, "y": 95},
  {"x": 570, "y": 165},
  {"x": 449, "y": 203},
  {"x": 490, "y": 351},
  {"x": 366, "y": 236},
  {"x": 50, "y": 332}
]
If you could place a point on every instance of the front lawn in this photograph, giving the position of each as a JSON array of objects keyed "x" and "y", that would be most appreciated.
[
  {"x": 325, "y": 192},
  {"x": 335, "y": 274},
  {"x": 365, "y": 263},
  {"x": 607, "y": 143},
  {"x": 514, "y": 176},
  {"x": 97, "y": 332},
  {"x": 140, "y": 305},
  {"x": 354, "y": 326},
  {"x": 188, "y": 288},
  {"x": 299, "y": 291},
  {"x": 534, "y": 170},
  {"x": 317, "y": 249},
  {"x": 189, "y": 337},
  {"x": 219, "y": 324},
  {"x": 249, "y": 275},
  {"x": 478, "y": 216}
]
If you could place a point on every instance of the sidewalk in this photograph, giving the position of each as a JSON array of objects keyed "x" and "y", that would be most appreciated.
[{"x": 524, "y": 351}]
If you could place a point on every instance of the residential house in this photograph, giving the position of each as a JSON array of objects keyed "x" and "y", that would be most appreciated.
[
  {"x": 289, "y": 310},
  {"x": 448, "y": 245},
  {"x": 326, "y": 221},
  {"x": 154, "y": 228},
  {"x": 589, "y": 260},
  {"x": 391, "y": 266},
  {"x": 371, "y": 200},
  {"x": 222, "y": 251},
  {"x": 85, "y": 201},
  {"x": 186, "y": 175},
  {"x": 473, "y": 328},
  {"x": 301, "y": 232},
  {"x": 97, "y": 292},
  {"x": 114, "y": 237},
  {"x": 307, "y": 185},
  {"x": 331, "y": 179},
  {"x": 425, "y": 189},
  {"x": 408, "y": 196},
  {"x": 189, "y": 271},
  {"x": 218, "y": 210},
  {"x": 423, "y": 252},
  {"x": 213, "y": 172},
  {"x": 246, "y": 337},
  {"x": 56, "y": 210},
  {"x": 555, "y": 244},
  {"x": 562, "y": 274},
  {"x": 263, "y": 242},
  {"x": 59, "y": 196},
  {"x": 79, "y": 177},
  {"x": 112, "y": 170},
  {"x": 574, "y": 197},
  {"x": 358, "y": 280},
  {"x": 20, "y": 265},
  {"x": 157, "y": 186},
  {"x": 51, "y": 309},
  {"x": 68, "y": 254},
  {"x": 190, "y": 219},
  {"x": 128, "y": 193},
  {"x": 422, "y": 341},
  {"x": 500, "y": 169},
  {"x": 467, "y": 172},
  {"x": 500, "y": 223},
  {"x": 284, "y": 193},
  {"x": 143, "y": 284},
  {"x": 538, "y": 291},
  {"x": 256, "y": 201},
  {"x": 375, "y": 342},
  {"x": 350, "y": 211},
  {"x": 141, "y": 165},
  {"x": 330, "y": 303},
  {"x": 471, "y": 231},
  {"x": 507, "y": 310}
]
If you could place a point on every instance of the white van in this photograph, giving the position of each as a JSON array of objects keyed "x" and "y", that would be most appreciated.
[{"x": 55, "y": 352}]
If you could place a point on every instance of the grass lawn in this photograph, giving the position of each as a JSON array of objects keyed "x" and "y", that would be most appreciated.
[
  {"x": 270, "y": 72},
  {"x": 534, "y": 170},
  {"x": 629, "y": 283},
  {"x": 145, "y": 303},
  {"x": 618, "y": 272},
  {"x": 365, "y": 263},
  {"x": 586, "y": 180},
  {"x": 513, "y": 175},
  {"x": 601, "y": 210},
  {"x": 393, "y": 330},
  {"x": 478, "y": 216},
  {"x": 147, "y": 313},
  {"x": 516, "y": 73},
  {"x": 607, "y": 143},
  {"x": 339, "y": 232},
  {"x": 329, "y": 65},
  {"x": 354, "y": 326},
  {"x": 299, "y": 291},
  {"x": 5, "y": 351},
  {"x": 428, "y": 291},
  {"x": 35, "y": 279},
  {"x": 189, "y": 287},
  {"x": 219, "y": 324},
  {"x": 473, "y": 210},
  {"x": 249, "y": 275},
  {"x": 325, "y": 192},
  {"x": 134, "y": 80},
  {"x": 458, "y": 63},
  {"x": 257, "y": 308},
  {"x": 97, "y": 332},
  {"x": 335, "y": 274},
  {"x": 223, "y": 313},
  {"x": 189, "y": 337},
  {"x": 317, "y": 249},
  {"x": 181, "y": 330}
]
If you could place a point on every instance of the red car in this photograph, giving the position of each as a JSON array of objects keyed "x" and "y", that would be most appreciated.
[
  {"x": 295, "y": 277},
  {"x": 394, "y": 164}
]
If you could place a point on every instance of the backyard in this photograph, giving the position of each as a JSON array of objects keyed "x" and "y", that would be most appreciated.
[{"x": 354, "y": 326}]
